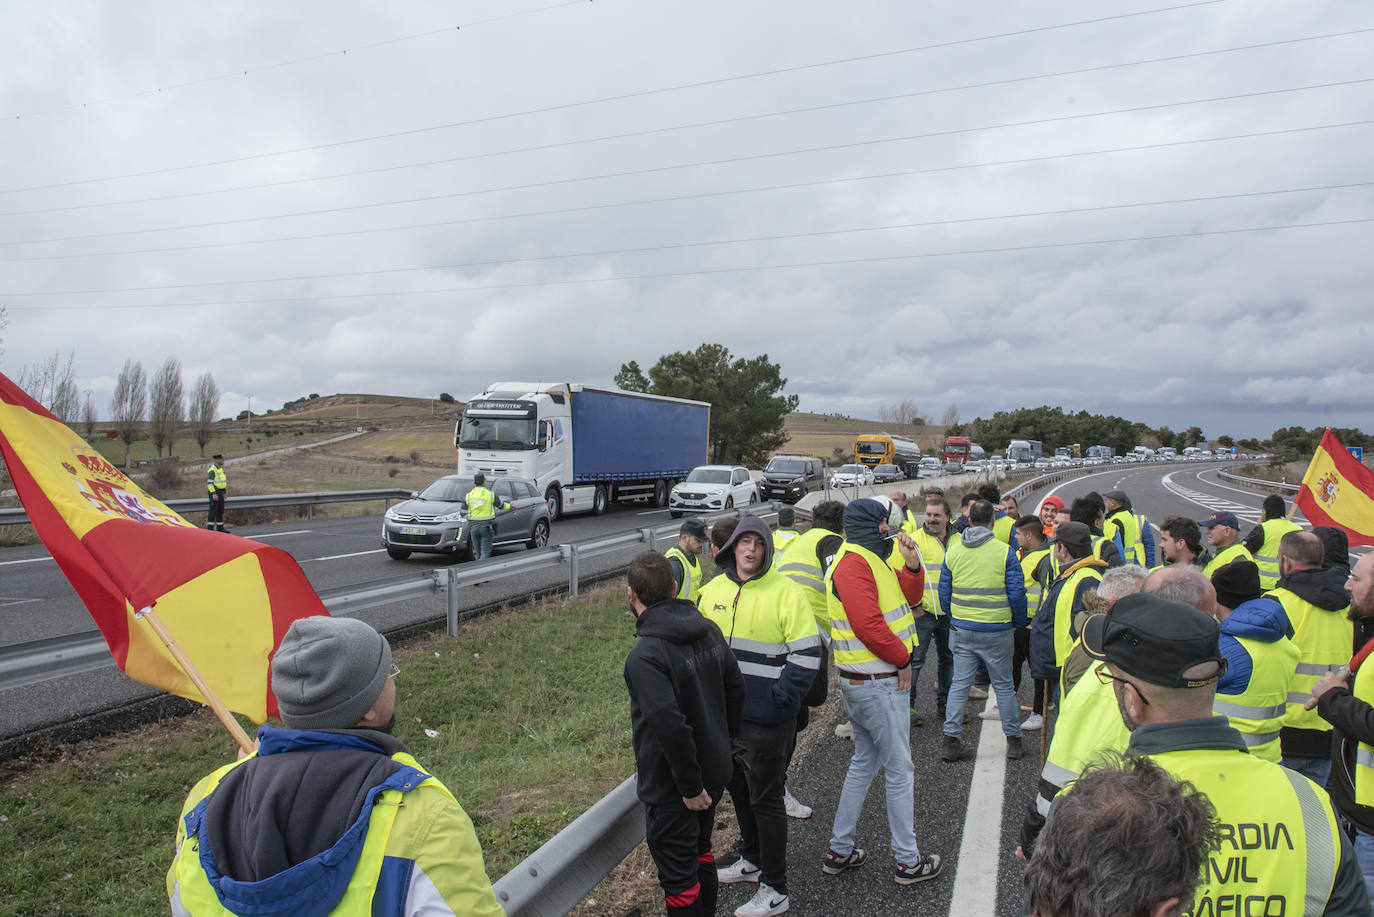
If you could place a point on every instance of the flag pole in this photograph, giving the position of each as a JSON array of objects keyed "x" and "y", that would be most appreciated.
[{"x": 206, "y": 692}]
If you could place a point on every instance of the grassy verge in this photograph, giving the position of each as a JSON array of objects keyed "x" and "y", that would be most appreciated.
[{"x": 532, "y": 724}]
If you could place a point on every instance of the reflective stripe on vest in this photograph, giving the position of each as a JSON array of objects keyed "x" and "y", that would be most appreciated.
[
  {"x": 932, "y": 559},
  {"x": 1133, "y": 552},
  {"x": 800, "y": 564},
  {"x": 690, "y": 587},
  {"x": 481, "y": 503},
  {"x": 1089, "y": 724},
  {"x": 1279, "y": 841},
  {"x": 850, "y": 652},
  {"x": 1324, "y": 638},
  {"x": 1363, "y": 688},
  {"x": 978, "y": 577},
  {"x": 1267, "y": 558},
  {"x": 1225, "y": 556},
  {"x": 1257, "y": 713}
]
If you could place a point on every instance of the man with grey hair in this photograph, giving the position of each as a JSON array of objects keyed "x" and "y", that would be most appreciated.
[
  {"x": 1126, "y": 839},
  {"x": 332, "y": 812}
]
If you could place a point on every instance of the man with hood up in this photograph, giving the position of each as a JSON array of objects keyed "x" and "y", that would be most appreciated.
[
  {"x": 768, "y": 624},
  {"x": 686, "y": 694},
  {"x": 874, "y": 633},
  {"x": 1260, "y": 659},
  {"x": 1315, "y": 600},
  {"x": 331, "y": 814}
]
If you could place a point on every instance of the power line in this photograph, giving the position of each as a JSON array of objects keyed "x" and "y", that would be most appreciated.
[
  {"x": 718, "y": 122},
  {"x": 619, "y": 97},
  {"x": 446, "y": 30},
  {"x": 1066, "y": 211},
  {"x": 710, "y": 271},
  {"x": 651, "y": 170},
  {"x": 706, "y": 194}
]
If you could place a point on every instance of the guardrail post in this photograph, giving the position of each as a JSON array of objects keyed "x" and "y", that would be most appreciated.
[
  {"x": 648, "y": 535},
  {"x": 569, "y": 554},
  {"x": 452, "y": 601},
  {"x": 309, "y": 511}
]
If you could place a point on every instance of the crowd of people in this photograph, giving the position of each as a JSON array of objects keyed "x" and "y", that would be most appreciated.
[{"x": 1211, "y": 752}]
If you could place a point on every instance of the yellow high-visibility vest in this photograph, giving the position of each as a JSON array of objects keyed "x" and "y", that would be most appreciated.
[
  {"x": 690, "y": 587},
  {"x": 979, "y": 582},
  {"x": 1225, "y": 556},
  {"x": 850, "y": 652},
  {"x": 1257, "y": 712},
  {"x": 1325, "y": 639},
  {"x": 1268, "y": 557}
]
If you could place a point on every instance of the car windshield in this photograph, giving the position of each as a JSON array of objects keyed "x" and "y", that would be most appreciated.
[
  {"x": 850, "y": 469},
  {"x": 447, "y": 490},
  {"x": 497, "y": 432},
  {"x": 786, "y": 466},
  {"x": 709, "y": 476},
  {"x": 886, "y": 468}
]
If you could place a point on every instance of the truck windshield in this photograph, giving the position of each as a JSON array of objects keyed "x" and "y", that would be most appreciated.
[
  {"x": 956, "y": 449},
  {"x": 497, "y": 432},
  {"x": 1020, "y": 454},
  {"x": 868, "y": 447},
  {"x": 786, "y": 466}
]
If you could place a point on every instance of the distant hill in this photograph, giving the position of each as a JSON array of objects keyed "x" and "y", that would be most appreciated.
[
  {"x": 363, "y": 407},
  {"x": 821, "y": 434}
]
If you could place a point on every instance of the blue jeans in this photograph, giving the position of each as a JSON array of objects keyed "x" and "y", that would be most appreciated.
[
  {"x": 933, "y": 628},
  {"x": 1318, "y": 770},
  {"x": 882, "y": 738},
  {"x": 481, "y": 535},
  {"x": 993, "y": 648},
  {"x": 1364, "y": 856}
]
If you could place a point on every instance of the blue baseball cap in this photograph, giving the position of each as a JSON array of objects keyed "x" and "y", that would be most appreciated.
[{"x": 1227, "y": 519}]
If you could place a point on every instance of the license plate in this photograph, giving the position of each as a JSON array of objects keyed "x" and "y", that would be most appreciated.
[{"x": 414, "y": 530}]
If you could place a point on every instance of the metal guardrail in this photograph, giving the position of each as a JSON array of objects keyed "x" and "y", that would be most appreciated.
[
  {"x": 1259, "y": 482},
  {"x": 309, "y": 501}
]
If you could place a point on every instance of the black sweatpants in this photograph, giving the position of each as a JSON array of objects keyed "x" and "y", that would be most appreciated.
[
  {"x": 680, "y": 843},
  {"x": 214, "y": 515},
  {"x": 757, "y": 788}
]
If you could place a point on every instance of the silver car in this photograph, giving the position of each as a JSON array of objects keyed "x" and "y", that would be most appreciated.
[{"x": 434, "y": 521}]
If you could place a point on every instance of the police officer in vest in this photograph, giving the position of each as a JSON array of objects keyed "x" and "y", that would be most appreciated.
[
  {"x": 1263, "y": 539},
  {"x": 1223, "y": 534},
  {"x": 216, "y": 482},
  {"x": 1350, "y": 711},
  {"x": 481, "y": 504},
  {"x": 1282, "y": 851},
  {"x": 331, "y": 814},
  {"x": 1261, "y": 661},
  {"x": 685, "y": 559}
]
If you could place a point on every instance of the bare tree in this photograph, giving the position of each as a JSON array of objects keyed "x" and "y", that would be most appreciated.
[
  {"x": 951, "y": 415},
  {"x": 130, "y": 403},
  {"x": 204, "y": 407},
  {"x": 167, "y": 408},
  {"x": 88, "y": 415},
  {"x": 50, "y": 383},
  {"x": 905, "y": 414}
]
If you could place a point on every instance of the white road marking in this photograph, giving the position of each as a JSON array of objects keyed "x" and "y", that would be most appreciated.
[
  {"x": 651, "y": 512},
  {"x": 6, "y": 602},
  {"x": 342, "y": 556},
  {"x": 279, "y": 534},
  {"x": 30, "y": 560},
  {"x": 975, "y": 881}
]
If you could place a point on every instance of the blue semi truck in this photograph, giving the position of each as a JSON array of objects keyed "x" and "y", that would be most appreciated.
[{"x": 584, "y": 447}]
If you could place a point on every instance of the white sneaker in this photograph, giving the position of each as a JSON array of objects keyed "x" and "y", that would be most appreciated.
[
  {"x": 992, "y": 713},
  {"x": 794, "y": 808},
  {"x": 1034, "y": 721},
  {"x": 977, "y": 693},
  {"x": 739, "y": 871},
  {"x": 844, "y": 730},
  {"x": 765, "y": 903}
]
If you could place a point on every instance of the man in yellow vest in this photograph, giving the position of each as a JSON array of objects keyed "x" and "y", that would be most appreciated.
[
  {"x": 1350, "y": 711},
  {"x": 1001, "y": 520},
  {"x": 769, "y": 627},
  {"x": 1089, "y": 511},
  {"x": 1282, "y": 850},
  {"x": 1033, "y": 553},
  {"x": 1260, "y": 659},
  {"x": 1316, "y": 601},
  {"x": 265, "y": 833},
  {"x": 932, "y": 628},
  {"x": 685, "y": 558},
  {"x": 1263, "y": 539},
  {"x": 216, "y": 482},
  {"x": 1223, "y": 534},
  {"x": 873, "y": 630},
  {"x": 784, "y": 534},
  {"x": 1136, "y": 539},
  {"x": 982, "y": 588},
  {"x": 1054, "y": 629},
  {"x": 481, "y": 504},
  {"x": 811, "y": 553}
]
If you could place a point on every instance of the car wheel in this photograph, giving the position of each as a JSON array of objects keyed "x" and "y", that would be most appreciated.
[
  {"x": 540, "y": 536},
  {"x": 729, "y": 502},
  {"x": 397, "y": 553},
  {"x": 599, "y": 501},
  {"x": 753, "y": 498},
  {"x": 660, "y": 492},
  {"x": 554, "y": 500}
]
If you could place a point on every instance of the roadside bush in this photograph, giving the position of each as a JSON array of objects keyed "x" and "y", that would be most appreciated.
[
  {"x": 446, "y": 398},
  {"x": 165, "y": 477},
  {"x": 393, "y": 472},
  {"x": 391, "y": 459},
  {"x": 415, "y": 456}
]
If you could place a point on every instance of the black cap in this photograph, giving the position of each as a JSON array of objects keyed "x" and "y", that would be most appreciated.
[
  {"x": 1237, "y": 583},
  {"x": 1118, "y": 495},
  {"x": 1155, "y": 640},
  {"x": 217, "y": 457},
  {"x": 694, "y": 527},
  {"x": 1074, "y": 536}
]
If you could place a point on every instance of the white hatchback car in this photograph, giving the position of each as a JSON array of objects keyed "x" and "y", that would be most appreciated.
[
  {"x": 851, "y": 476},
  {"x": 711, "y": 488}
]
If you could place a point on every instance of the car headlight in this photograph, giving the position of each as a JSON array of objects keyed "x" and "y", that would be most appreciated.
[
  {"x": 455, "y": 516},
  {"x": 718, "y": 491},
  {"x": 392, "y": 514}
]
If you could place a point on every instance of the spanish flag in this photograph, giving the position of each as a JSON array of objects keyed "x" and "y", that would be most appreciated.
[
  {"x": 1338, "y": 491},
  {"x": 226, "y": 600}
]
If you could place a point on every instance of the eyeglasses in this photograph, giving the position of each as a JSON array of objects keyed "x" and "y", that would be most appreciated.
[
  {"x": 395, "y": 670},
  {"x": 1107, "y": 678}
]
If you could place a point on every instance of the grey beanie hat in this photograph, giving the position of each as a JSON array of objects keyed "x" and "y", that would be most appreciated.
[{"x": 328, "y": 672}]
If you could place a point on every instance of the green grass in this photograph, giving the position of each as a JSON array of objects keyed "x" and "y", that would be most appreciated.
[{"x": 533, "y": 727}]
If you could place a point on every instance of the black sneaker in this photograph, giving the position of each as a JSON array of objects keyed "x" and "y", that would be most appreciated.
[
  {"x": 835, "y": 864},
  {"x": 917, "y": 719},
  {"x": 1014, "y": 750},
  {"x": 924, "y": 869},
  {"x": 952, "y": 749}
]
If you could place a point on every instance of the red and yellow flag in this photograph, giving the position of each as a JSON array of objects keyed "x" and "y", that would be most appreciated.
[
  {"x": 227, "y": 600},
  {"x": 1338, "y": 491}
]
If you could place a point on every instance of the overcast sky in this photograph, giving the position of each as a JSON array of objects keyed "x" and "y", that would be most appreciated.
[{"x": 991, "y": 204}]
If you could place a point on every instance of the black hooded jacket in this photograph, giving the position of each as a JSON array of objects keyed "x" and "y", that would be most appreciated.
[
  {"x": 1324, "y": 588},
  {"x": 686, "y": 696}
]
